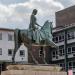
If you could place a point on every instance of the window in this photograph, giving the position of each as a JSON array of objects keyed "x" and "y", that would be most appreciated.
[
  {"x": 22, "y": 53},
  {"x": 62, "y": 65},
  {"x": 70, "y": 65},
  {"x": 74, "y": 64},
  {"x": 61, "y": 51},
  {"x": 61, "y": 38},
  {"x": 0, "y": 36},
  {"x": 73, "y": 49},
  {"x": 69, "y": 50},
  {"x": 10, "y": 52},
  {"x": 70, "y": 35},
  {"x": 0, "y": 51},
  {"x": 10, "y": 37},
  {"x": 53, "y": 54},
  {"x": 41, "y": 52},
  {"x": 56, "y": 52},
  {"x": 55, "y": 39}
]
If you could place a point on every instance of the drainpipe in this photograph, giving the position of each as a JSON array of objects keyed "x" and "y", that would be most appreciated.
[{"x": 65, "y": 50}]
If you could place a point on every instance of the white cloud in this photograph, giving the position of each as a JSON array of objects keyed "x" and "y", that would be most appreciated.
[
  {"x": 71, "y": 3},
  {"x": 67, "y": 3},
  {"x": 20, "y": 12}
]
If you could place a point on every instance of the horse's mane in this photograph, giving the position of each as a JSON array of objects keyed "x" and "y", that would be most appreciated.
[{"x": 45, "y": 25}]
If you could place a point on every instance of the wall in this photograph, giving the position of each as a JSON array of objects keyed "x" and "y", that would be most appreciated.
[
  {"x": 19, "y": 58},
  {"x": 5, "y": 45},
  {"x": 65, "y": 17}
]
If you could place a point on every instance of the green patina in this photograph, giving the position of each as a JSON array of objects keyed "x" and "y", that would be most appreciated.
[{"x": 44, "y": 33}]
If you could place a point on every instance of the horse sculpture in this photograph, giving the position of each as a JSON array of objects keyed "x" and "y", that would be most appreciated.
[{"x": 25, "y": 36}]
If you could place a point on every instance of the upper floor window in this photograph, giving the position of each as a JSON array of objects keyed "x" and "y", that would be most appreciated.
[
  {"x": 69, "y": 50},
  {"x": 70, "y": 35},
  {"x": 0, "y": 51},
  {"x": 61, "y": 38},
  {"x": 22, "y": 52},
  {"x": 53, "y": 54},
  {"x": 55, "y": 39},
  {"x": 10, "y": 52},
  {"x": 10, "y": 37},
  {"x": 61, "y": 51},
  {"x": 73, "y": 49},
  {"x": 0, "y": 36}
]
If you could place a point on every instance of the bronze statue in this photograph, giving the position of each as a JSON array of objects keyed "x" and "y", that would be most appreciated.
[{"x": 26, "y": 36}]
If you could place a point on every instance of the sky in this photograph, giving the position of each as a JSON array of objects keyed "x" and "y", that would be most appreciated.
[{"x": 16, "y": 13}]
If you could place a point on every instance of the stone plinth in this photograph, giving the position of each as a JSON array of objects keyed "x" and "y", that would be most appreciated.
[
  {"x": 29, "y": 72},
  {"x": 32, "y": 70},
  {"x": 34, "y": 67}
]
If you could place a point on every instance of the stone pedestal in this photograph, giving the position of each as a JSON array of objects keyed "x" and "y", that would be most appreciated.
[{"x": 33, "y": 70}]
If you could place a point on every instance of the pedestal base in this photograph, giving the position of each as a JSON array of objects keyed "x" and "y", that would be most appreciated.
[{"x": 33, "y": 70}]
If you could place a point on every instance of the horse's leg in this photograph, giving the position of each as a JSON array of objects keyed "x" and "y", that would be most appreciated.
[
  {"x": 28, "y": 43},
  {"x": 30, "y": 52},
  {"x": 16, "y": 44},
  {"x": 44, "y": 60}
]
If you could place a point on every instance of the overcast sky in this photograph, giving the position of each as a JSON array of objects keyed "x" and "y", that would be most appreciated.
[{"x": 16, "y": 13}]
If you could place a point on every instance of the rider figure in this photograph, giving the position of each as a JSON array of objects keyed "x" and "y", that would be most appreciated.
[{"x": 33, "y": 23}]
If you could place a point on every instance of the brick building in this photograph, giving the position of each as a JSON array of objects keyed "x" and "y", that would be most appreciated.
[{"x": 65, "y": 17}]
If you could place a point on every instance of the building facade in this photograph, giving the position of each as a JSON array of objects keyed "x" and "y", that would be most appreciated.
[
  {"x": 65, "y": 21},
  {"x": 7, "y": 47},
  {"x": 58, "y": 56}
]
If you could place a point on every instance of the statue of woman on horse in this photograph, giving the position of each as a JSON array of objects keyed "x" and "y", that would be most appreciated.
[{"x": 33, "y": 34}]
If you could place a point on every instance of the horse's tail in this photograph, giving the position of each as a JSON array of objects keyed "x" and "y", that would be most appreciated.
[{"x": 17, "y": 43}]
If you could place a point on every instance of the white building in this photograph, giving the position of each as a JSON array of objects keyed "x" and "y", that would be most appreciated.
[{"x": 7, "y": 47}]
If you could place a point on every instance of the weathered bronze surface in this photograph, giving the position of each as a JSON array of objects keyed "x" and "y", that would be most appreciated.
[{"x": 34, "y": 35}]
